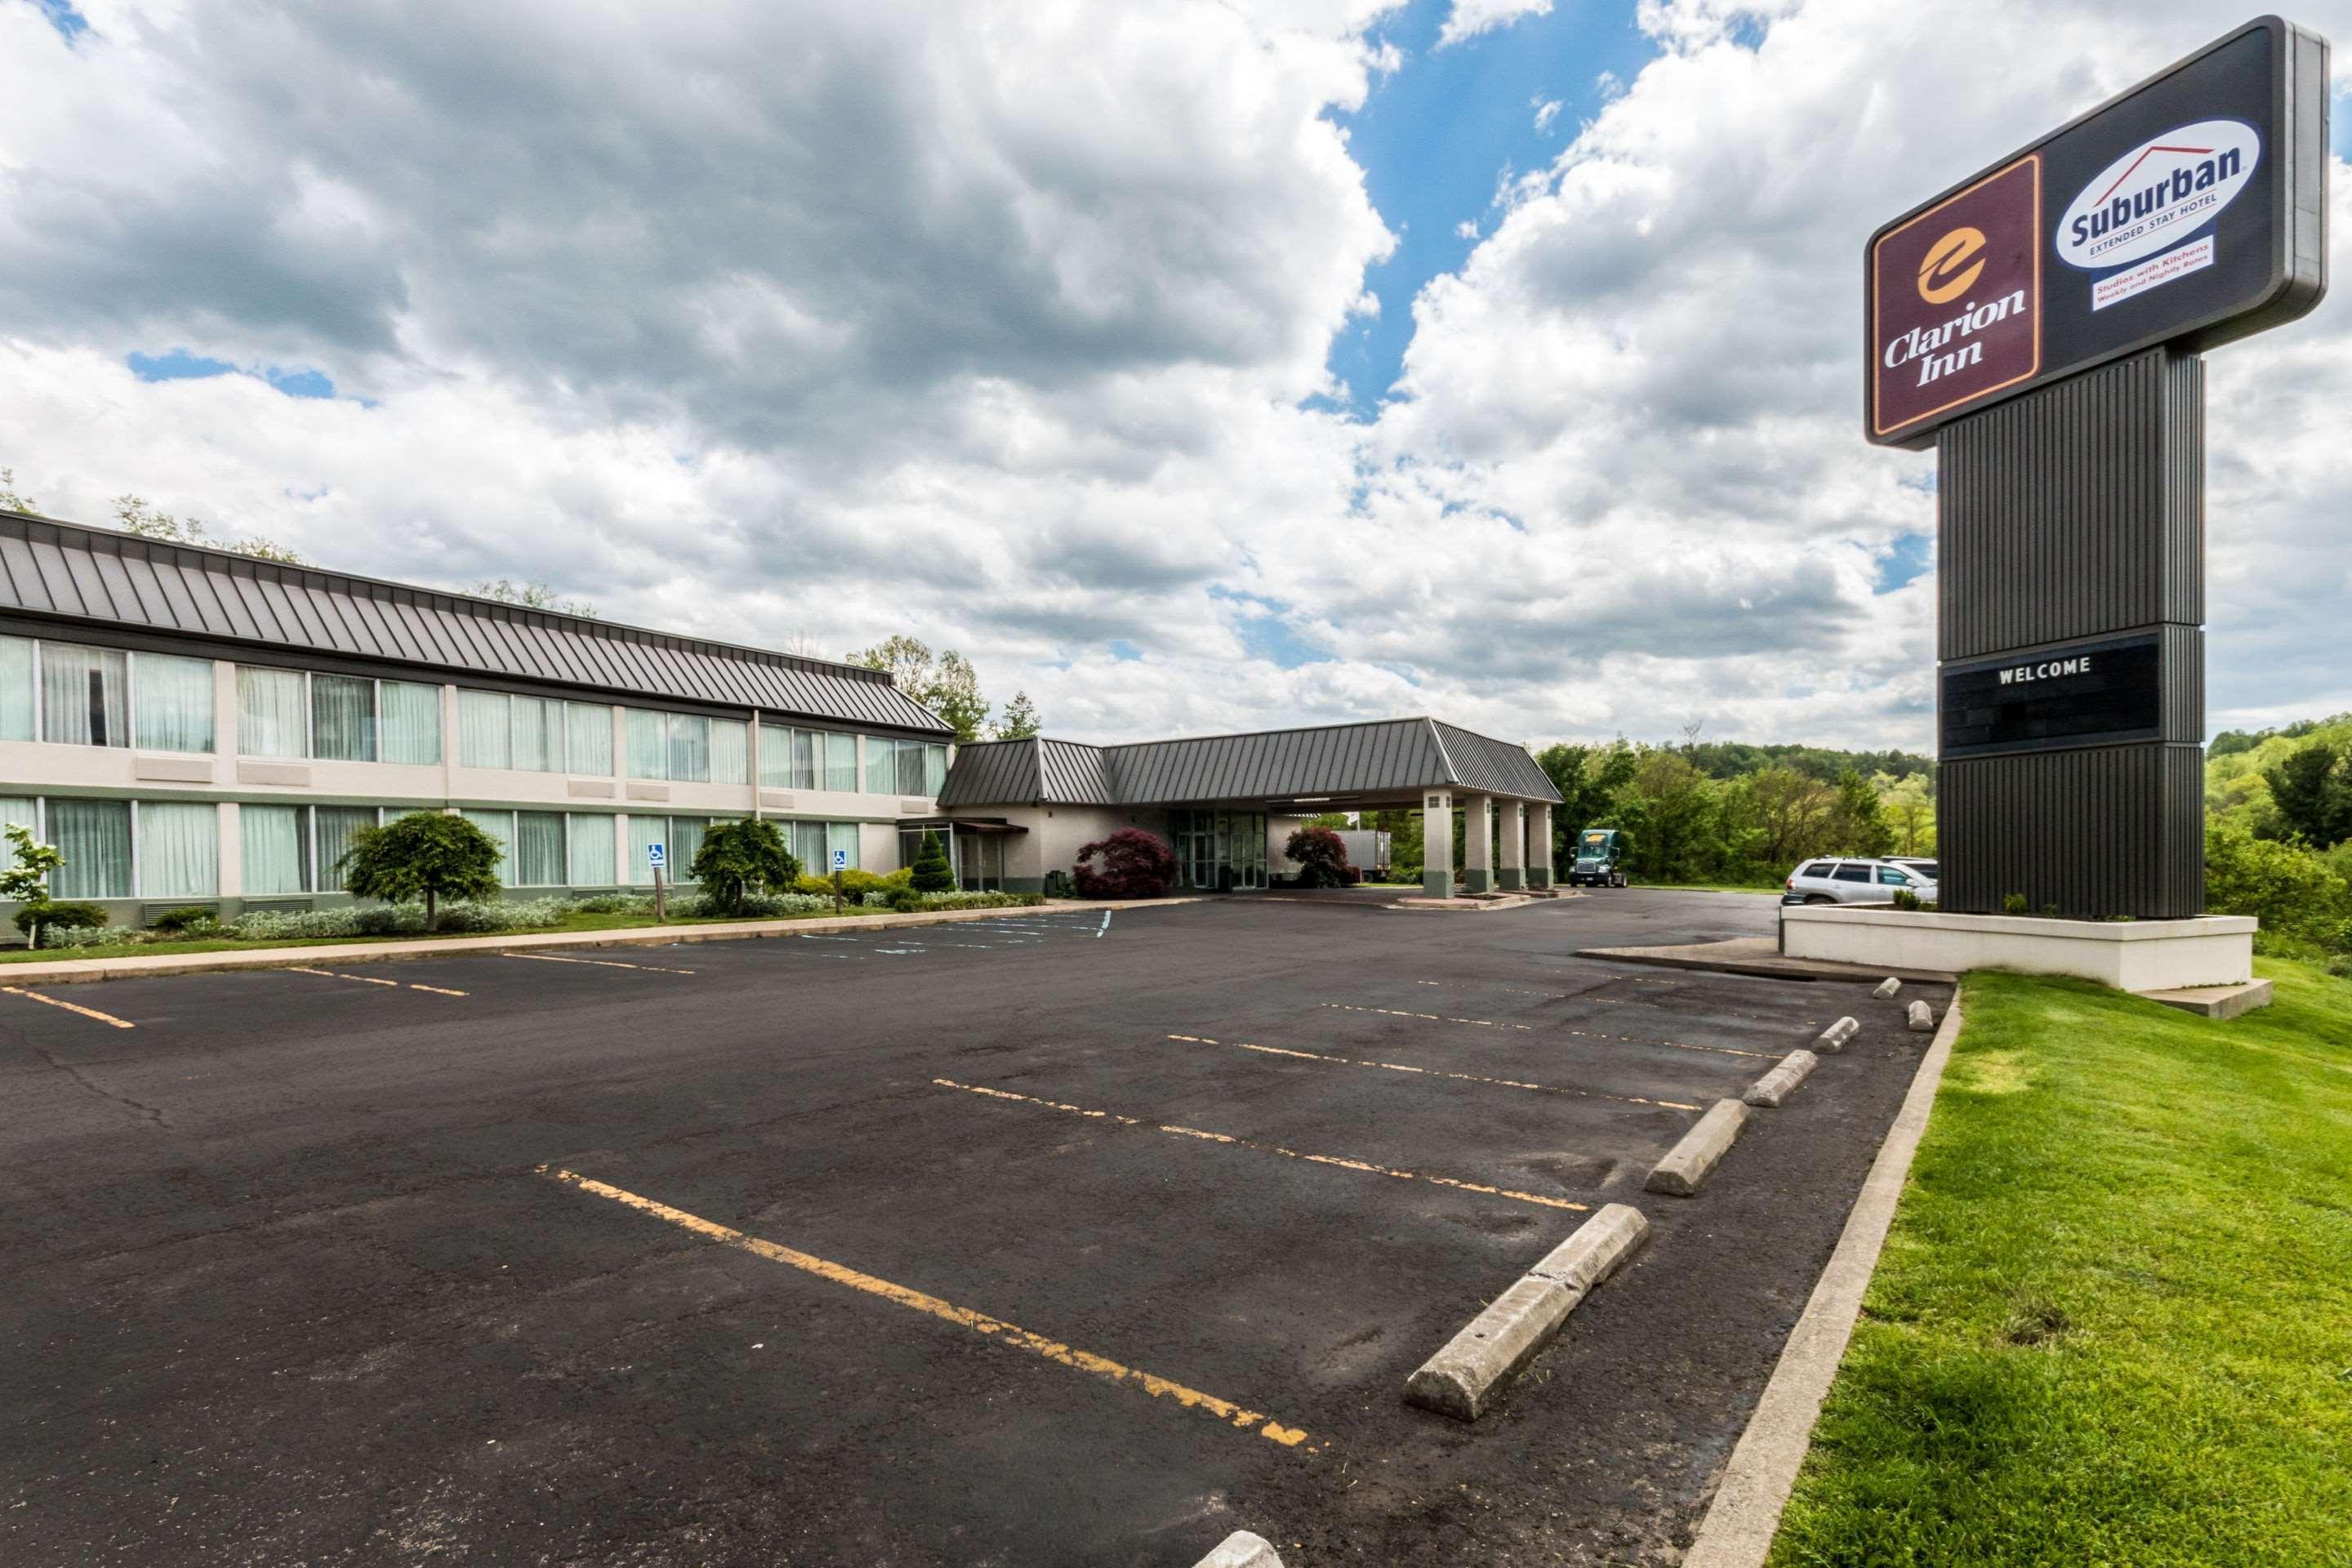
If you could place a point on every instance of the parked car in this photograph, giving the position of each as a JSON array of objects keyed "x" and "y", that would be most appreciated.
[
  {"x": 1851, "y": 881},
  {"x": 1925, "y": 865}
]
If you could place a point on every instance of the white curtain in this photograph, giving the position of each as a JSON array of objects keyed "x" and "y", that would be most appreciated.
[
  {"x": 934, "y": 769},
  {"x": 342, "y": 718},
  {"x": 272, "y": 714},
  {"x": 94, "y": 835},
  {"x": 538, "y": 849},
  {"x": 537, "y": 734},
  {"x": 911, "y": 767},
  {"x": 276, "y": 850},
  {"x": 591, "y": 857},
  {"x": 175, "y": 702},
  {"x": 483, "y": 739},
  {"x": 649, "y": 745},
  {"x": 411, "y": 722},
  {"x": 841, "y": 764},
  {"x": 808, "y": 846},
  {"x": 775, "y": 756},
  {"x": 684, "y": 843},
  {"x": 83, "y": 693},
  {"x": 336, "y": 825},
  {"x": 644, "y": 831},
  {"x": 730, "y": 760},
  {"x": 179, "y": 849},
  {"x": 690, "y": 748},
  {"x": 16, "y": 688},
  {"x": 881, "y": 765},
  {"x": 805, "y": 752},
  {"x": 18, "y": 810},
  {"x": 841, "y": 836},
  {"x": 589, "y": 745},
  {"x": 499, "y": 824}
]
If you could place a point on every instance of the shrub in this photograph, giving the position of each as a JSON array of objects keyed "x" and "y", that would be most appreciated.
[
  {"x": 1135, "y": 864},
  {"x": 2298, "y": 895},
  {"x": 906, "y": 900},
  {"x": 2017, "y": 904},
  {"x": 181, "y": 921},
  {"x": 1322, "y": 857},
  {"x": 1904, "y": 898},
  {"x": 933, "y": 874},
  {"x": 100, "y": 935},
  {"x": 738, "y": 859},
  {"x": 61, "y": 917},
  {"x": 856, "y": 884},
  {"x": 425, "y": 854},
  {"x": 615, "y": 904}
]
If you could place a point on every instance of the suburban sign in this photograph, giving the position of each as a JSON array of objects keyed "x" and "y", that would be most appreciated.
[
  {"x": 2092, "y": 694},
  {"x": 2186, "y": 210}
]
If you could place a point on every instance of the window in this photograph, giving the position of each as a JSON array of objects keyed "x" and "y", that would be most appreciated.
[
  {"x": 841, "y": 835},
  {"x": 1849, "y": 871},
  {"x": 678, "y": 746},
  {"x": 484, "y": 737},
  {"x": 275, "y": 848},
  {"x": 174, "y": 702},
  {"x": 20, "y": 811},
  {"x": 342, "y": 718},
  {"x": 16, "y": 688},
  {"x": 644, "y": 832},
  {"x": 95, "y": 837},
  {"x": 686, "y": 834},
  {"x": 335, "y": 826},
  {"x": 922, "y": 768},
  {"x": 537, "y": 733},
  {"x": 881, "y": 765},
  {"x": 690, "y": 748},
  {"x": 1816, "y": 869},
  {"x": 499, "y": 824},
  {"x": 410, "y": 724},
  {"x": 589, "y": 858},
  {"x": 1890, "y": 877},
  {"x": 807, "y": 839},
  {"x": 179, "y": 849},
  {"x": 538, "y": 858},
  {"x": 730, "y": 750},
  {"x": 588, "y": 749},
  {"x": 841, "y": 764},
  {"x": 84, "y": 695},
  {"x": 272, "y": 714},
  {"x": 775, "y": 757}
]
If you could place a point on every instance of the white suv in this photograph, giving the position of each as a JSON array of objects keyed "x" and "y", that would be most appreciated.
[{"x": 1832, "y": 882}]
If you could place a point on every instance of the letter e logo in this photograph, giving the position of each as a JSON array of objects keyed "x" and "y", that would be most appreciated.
[{"x": 1952, "y": 265}]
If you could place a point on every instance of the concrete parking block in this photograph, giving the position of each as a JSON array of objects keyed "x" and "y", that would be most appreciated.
[
  {"x": 1887, "y": 987},
  {"x": 1781, "y": 1082},
  {"x": 1833, "y": 1039},
  {"x": 1922, "y": 1018},
  {"x": 1477, "y": 1362},
  {"x": 1241, "y": 1550},
  {"x": 1685, "y": 1169}
]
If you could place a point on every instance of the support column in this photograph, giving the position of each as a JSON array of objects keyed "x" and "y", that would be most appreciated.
[
  {"x": 1539, "y": 845},
  {"x": 1437, "y": 844},
  {"x": 1478, "y": 844},
  {"x": 1511, "y": 873}
]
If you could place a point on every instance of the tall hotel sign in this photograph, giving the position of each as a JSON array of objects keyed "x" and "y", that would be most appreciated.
[{"x": 2041, "y": 324}]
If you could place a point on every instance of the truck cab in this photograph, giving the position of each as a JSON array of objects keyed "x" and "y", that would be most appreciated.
[{"x": 1600, "y": 859}]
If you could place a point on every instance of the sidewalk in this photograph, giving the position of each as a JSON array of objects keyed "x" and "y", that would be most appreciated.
[{"x": 68, "y": 971}]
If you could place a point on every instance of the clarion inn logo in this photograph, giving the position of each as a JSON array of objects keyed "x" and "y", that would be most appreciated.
[{"x": 2047, "y": 668}]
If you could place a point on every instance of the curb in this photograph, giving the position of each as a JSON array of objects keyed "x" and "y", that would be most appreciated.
[
  {"x": 1492, "y": 1348},
  {"x": 70, "y": 972},
  {"x": 1781, "y": 1082},
  {"x": 1685, "y": 1169},
  {"x": 1746, "y": 1513}
]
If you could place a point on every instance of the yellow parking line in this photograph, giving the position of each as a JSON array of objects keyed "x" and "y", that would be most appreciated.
[
  {"x": 1224, "y": 1410},
  {"x": 1579, "y": 1033},
  {"x": 599, "y": 963},
  {"x": 1346, "y": 1164},
  {"x": 1438, "y": 1072},
  {"x": 371, "y": 980},
  {"x": 70, "y": 1007}
]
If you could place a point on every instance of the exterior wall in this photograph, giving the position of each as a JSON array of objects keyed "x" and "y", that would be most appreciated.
[
  {"x": 2143, "y": 955},
  {"x": 1278, "y": 830},
  {"x": 1056, "y": 835}
]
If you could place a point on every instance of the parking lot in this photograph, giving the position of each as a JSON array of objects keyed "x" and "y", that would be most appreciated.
[{"x": 1067, "y": 1237}]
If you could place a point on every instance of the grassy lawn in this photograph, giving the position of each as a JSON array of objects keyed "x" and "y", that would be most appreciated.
[
  {"x": 2112, "y": 1323},
  {"x": 574, "y": 922}
]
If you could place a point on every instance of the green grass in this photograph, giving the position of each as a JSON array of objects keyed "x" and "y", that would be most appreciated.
[
  {"x": 574, "y": 923},
  {"x": 2113, "y": 1322}
]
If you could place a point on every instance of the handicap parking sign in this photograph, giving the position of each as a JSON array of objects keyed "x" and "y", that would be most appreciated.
[
  {"x": 841, "y": 859},
  {"x": 656, "y": 855}
]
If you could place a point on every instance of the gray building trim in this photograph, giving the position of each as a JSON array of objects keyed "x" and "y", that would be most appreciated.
[{"x": 59, "y": 578}]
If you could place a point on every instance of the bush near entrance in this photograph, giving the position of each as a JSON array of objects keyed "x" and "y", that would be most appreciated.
[
  {"x": 1135, "y": 864},
  {"x": 741, "y": 860},
  {"x": 1322, "y": 857},
  {"x": 933, "y": 872},
  {"x": 425, "y": 854}
]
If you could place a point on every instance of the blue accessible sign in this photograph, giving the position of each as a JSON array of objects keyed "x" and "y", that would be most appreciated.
[{"x": 656, "y": 856}]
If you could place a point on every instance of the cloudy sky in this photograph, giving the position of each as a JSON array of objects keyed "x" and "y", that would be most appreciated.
[{"x": 1194, "y": 365}]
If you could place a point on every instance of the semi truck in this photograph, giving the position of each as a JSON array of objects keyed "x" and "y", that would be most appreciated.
[
  {"x": 1368, "y": 849},
  {"x": 1600, "y": 857}
]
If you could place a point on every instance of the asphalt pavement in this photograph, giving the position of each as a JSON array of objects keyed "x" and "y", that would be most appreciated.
[{"x": 1061, "y": 1238}]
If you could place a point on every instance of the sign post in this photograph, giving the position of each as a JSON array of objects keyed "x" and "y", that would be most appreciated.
[
  {"x": 840, "y": 865},
  {"x": 2042, "y": 324},
  {"x": 658, "y": 857}
]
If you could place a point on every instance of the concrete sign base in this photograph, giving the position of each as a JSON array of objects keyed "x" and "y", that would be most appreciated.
[{"x": 2130, "y": 956}]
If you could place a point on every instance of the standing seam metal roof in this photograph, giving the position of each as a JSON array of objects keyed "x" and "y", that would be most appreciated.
[
  {"x": 1385, "y": 757},
  {"x": 99, "y": 575}
]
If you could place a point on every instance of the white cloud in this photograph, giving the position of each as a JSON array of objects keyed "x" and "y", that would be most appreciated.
[
  {"x": 1468, "y": 18},
  {"x": 1547, "y": 111},
  {"x": 1466, "y": 230}
]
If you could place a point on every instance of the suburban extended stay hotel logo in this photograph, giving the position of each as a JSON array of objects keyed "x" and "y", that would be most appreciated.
[{"x": 1956, "y": 298}]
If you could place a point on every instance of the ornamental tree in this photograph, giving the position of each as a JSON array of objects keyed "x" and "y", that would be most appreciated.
[
  {"x": 1135, "y": 864},
  {"x": 739, "y": 858},
  {"x": 1322, "y": 857},
  {"x": 424, "y": 855},
  {"x": 933, "y": 872},
  {"x": 25, "y": 882}
]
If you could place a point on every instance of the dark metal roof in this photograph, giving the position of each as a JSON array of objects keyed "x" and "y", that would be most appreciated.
[
  {"x": 98, "y": 575},
  {"x": 1388, "y": 757}
]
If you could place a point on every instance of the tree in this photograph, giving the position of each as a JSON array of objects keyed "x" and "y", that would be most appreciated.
[
  {"x": 137, "y": 518},
  {"x": 738, "y": 859},
  {"x": 25, "y": 882},
  {"x": 425, "y": 854},
  {"x": 933, "y": 872},
  {"x": 907, "y": 660},
  {"x": 1671, "y": 810},
  {"x": 11, "y": 498},
  {"x": 1857, "y": 826},
  {"x": 1589, "y": 778},
  {"x": 1019, "y": 721},
  {"x": 532, "y": 596},
  {"x": 2293, "y": 891},
  {"x": 1909, "y": 804},
  {"x": 1322, "y": 858},
  {"x": 1135, "y": 864},
  {"x": 954, "y": 696},
  {"x": 2311, "y": 788}
]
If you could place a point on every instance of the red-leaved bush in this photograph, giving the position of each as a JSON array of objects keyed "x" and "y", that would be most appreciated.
[
  {"x": 1135, "y": 864},
  {"x": 1322, "y": 857}
]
